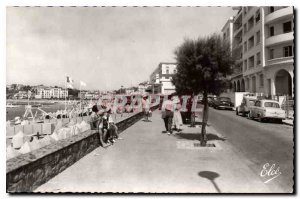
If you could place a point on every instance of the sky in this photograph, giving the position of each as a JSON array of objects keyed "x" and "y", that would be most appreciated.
[{"x": 105, "y": 47}]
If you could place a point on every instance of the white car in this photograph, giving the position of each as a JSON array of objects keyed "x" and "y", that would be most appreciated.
[
  {"x": 247, "y": 102},
  {"x": 266, "y": 109}
]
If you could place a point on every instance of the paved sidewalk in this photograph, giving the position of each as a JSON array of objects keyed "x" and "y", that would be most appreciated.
[{"x": 147, "y": 160}]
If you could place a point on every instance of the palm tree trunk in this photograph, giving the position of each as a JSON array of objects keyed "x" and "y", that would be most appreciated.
[{"x": 204, "y": 120}]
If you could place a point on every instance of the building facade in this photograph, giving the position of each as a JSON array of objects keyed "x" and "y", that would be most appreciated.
[
  {"x": 43, "y": 92},
  {"x": 160, "y": 79},
  {"x": 21, "y": 95},
  {"x": 142, "y": 87},
  {"x": 262, "y": 43},
  {"x": 89, "y": 94}
]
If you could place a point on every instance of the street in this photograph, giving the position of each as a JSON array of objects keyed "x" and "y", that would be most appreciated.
[{"x": 259, "y": 143}]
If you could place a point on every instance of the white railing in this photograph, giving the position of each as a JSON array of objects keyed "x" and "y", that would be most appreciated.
[{"x": 280, "y": 60}]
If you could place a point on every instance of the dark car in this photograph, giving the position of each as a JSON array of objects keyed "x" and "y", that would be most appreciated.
[
  {"x": 223, "y": 103},
  {"x": 211, "y": 100}
]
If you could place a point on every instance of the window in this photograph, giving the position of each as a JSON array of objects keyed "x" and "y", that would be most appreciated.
[
  {"x": 175, "y": 71},
  {"x": 272, "y": 104},
  {"x": 245, "y": 64},
  {"x": 271, "y": 53},
  {"x": 167, "y": 71},
  {"x": 258, "y": 58},
  {"x": 288, "y": 51},
  {"x": 257, "y": 37},
  {"x": 287, "y": 27},
  {"x": 250, "y": 23},
  {"x": 245, "y": 10},
  {"x": 245, "y": 28},
  {"x": 271, "y": 31},
  {"x": 272, "y": 9},
  {"x": 257, "y": 16},
  {"x": 257, "y": 103},
  {"x": 261, "y": 80},
  {"x": 250, "y": 42},
  {"x": 245, "y": 46},
  {"x": 251, "y": 62},
  {"x": 248, "y": 83}
]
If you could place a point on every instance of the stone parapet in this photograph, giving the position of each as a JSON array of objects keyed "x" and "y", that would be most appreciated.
[{"x": 26, "y": 172}]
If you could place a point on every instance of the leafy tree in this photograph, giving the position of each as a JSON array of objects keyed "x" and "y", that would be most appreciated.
[
  {"x": 73, "y": 92},
  {"x": 203, "y": 67},
  {"x": 27, "y": 88}
]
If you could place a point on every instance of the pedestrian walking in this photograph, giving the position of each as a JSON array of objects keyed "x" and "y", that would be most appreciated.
[
  {"x": 167, "y": 114},
  {"x": 145, "y": 107},
  {"x": 177, "y": 119}
]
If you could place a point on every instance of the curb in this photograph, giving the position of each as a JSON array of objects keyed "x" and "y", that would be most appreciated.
[{"x": 287, "y": 123}]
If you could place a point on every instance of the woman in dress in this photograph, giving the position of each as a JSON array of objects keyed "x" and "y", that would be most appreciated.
[{"x": 177, "y": 119}]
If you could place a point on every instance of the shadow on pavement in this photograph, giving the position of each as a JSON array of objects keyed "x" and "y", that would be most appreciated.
[
  {"x": 211, "y": 176},
  {"x": 197, "y": 123},
  {"x": 144, "y": 120},
  {"x": 196, "y": 136}
]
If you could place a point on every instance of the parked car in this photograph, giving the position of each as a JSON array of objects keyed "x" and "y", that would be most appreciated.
[
  {"x": 210, "y": 100},
  {"x": 266, "y": 109},
  {"x": 223, "y": 103},
  {"x": 246, "y": 103}
]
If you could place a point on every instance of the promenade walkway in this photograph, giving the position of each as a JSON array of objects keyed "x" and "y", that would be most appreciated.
[{"x": 147, "y": 160}]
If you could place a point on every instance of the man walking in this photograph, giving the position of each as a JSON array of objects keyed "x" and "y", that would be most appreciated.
[{"x": 167, "y": 114}]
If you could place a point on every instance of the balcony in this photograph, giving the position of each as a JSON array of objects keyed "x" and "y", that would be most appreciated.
[
  {"x": 280, "y": 60},
  {"x": 279, "y": 39},
  {"x": 237, "y": 73},
  {"x": 237, "y": 30},
  {"x": 279, "y": 15}
]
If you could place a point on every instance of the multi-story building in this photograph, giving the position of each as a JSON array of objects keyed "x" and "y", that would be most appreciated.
[
  {"x": 129, "y": 90},
  {"x": 21, "y": 95},
  {"x": 262, "y": 44},
  {"x": 43, "y": 92},
  {"x": 88, "y": 94},
  {"x": 142, "y": 88},
  {"x": 160, "y": 79}
]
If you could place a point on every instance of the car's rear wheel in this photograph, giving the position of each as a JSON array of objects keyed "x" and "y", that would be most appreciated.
[{"x": 260, "y": 119}]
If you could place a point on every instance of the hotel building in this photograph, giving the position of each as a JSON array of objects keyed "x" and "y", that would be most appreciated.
[
  {"x": 43, "y": 92},
  {"x": 262, "y": 43},
  {"x": 160, "y": 79}
]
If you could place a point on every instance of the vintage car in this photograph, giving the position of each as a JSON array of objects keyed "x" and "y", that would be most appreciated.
[
  {"x": 266, "y": 109},
  {"x": 210, "y": 100},
  {"x": 223, "y": 103},
  {"x": 244, "y": 107}
]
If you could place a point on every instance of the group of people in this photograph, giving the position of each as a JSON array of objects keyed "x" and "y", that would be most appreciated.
[
  {"x": 103, "y": 121},
  {"x": 171, "y": 114}
]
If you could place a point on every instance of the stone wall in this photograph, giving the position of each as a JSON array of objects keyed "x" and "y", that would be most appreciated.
[{"x": 26, "y": 172}]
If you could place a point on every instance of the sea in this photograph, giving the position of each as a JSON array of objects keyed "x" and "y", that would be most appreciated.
[{"x": 11, "y": 113}]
